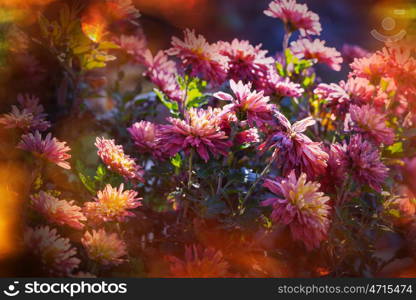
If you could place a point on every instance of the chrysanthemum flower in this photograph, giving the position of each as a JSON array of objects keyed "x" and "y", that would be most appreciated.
[
  {"x": 168, "y": 84},
  {"x": 104, "y": 248},
  {"x": 302, "y": 207},
  {"x": 117, "y": 161},
  {"x": 54, "y": 252},
  {"x": 253, "y": 104},
  {"x": 372, "y": 68},
  {"x": 201, "y": 130},
  {"x": 112, "y": 204},
  {"x": 284, "y": 87},
  {"x": 162, "y": 72},
  {"x": 17, "y": 119},
  {"x": 365, "y": 163},
  {"x": 400, "y": 65},
  {"x": 247, "y": 136},
  {"x": 134, "y": 45},
  {"x": 336, "y": 96},
  {"x": 50, "y": 148},
  {"x": 199, "y": 58},
  {"x": 159, "y": 62},
  {"x": 57, "y": 211},
  {"x": 295, "y": 16},
  {"x": 199, "y": 263},
  {"x": 361, "y": 91},
  {"x": 296, "y": 151},
  {"x": 146, "y": 136},
  {"x": 245, "y": 62},
  {"x": 371, "y": 124},
  {"x": 316, "y": 49},
  {"x": 28, "y": 116}
]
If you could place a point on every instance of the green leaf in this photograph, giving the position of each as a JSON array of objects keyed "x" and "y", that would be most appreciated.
[
  {"x": 100, "y": 173},
  {"x": 172, "y": 106},
  {"x": 106, "y": 45},
  {"x": 396, "y": 148},
  {"x": 280, "y": 69},
  {"x": 176, "y": 161},
  {"x": 88, "y": 183}
]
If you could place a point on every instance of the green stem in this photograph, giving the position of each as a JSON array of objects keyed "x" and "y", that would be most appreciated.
[
  {"x": 262, "y": 174},
  {"x": 190, "y": 169}
]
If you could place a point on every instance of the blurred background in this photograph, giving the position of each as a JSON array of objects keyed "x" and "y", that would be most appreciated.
[{"x": 343, "y": 21}]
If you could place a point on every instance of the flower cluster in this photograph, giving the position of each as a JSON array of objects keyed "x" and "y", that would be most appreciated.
[{"x": 227, "y": 160}]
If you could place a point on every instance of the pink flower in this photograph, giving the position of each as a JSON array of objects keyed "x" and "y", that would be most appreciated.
[
  {"x": 302, "y": 207},
  {"x": 284, "y": 87},
  {"x": 365, "y": 163},
  {"x": 335, "y": 95},
  {"x": 17, "y": 119},
  {"x": 337, "y": 169},
  {"x": 199, "y": 58},
  {"x": 372, "y": 68},
  {"x": 295, "y": 16},
  {"x": 146, "y": 136},
  {"x": 248, "y": 136},
  {"x": 50, "y": 148},
  {"x": 30, "y": 116},
  {"x": 294, "y": 149},
  {"x": 57, "y": 211},
  {"x": 371, "y": 124},
  {"x": 253, "y": 104},
  {"x": 361, "y": 91},
  {"x": 104, "y": 248},
  {"x": 54, "y": 252},
  {"x": 351, "y": 52},
  {"x": 245, "y": 62},
  {"x": 317, "y": 50},
  {"x": 134, "y": 45},
  {"x": 199, "y": 263},
  {"x": 112, "y": 204},
  {"x": 117, "y": 161},
  {"x": 201, "y": 130},
  {"x": 159, "y": 62},
  {"x": 162, "y": 72}
]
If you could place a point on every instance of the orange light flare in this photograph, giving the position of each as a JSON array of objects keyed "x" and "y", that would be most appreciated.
[
  {"x": 94, "y": 31},
  {"x": 395, "y": 20},
  {"x": 24, "y": 3},
  {"x": 181, "y": 13},
  {"x": 13, "y": 178},
  {"x": 246, "y": 250},
  {"x": 94, "y": 23}
]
